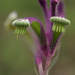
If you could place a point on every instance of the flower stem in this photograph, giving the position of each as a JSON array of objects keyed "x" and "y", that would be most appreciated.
[
  {"x": 47, "y": 64},
  {"x": 40, "y": 69}
]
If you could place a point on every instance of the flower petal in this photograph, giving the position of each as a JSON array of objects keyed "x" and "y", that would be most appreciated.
[
  {"x": 8, "y": 22},
  {"x": 52, "y": 12},
  {"x": 42, "y": 3},
  {"x": 38, "y": 28},
  {"x": 60, "y": 9},
  {"x": 46, "y": 13},
  {"x": 53, "y": 7}
]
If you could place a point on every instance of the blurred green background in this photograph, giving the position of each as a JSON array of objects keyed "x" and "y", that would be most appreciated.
[{"x": 15, "y": 56}]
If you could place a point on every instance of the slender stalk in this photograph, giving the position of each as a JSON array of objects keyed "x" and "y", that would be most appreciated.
[
  {"x": 40, "y": 69},
  {"x": 47, "y": 64},
  {"x": 46, "y": 73}
]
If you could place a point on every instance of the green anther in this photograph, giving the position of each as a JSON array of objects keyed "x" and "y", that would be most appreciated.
[
  {"x": 20, "y": 31},
  {"x": 57, "y": 28},
  {"x": 17, "y": 31},
  {"x": 59, "y": 24},
  {"x": 54, "y": 27},
  {"x": 60, "y": 28},
  {"x": 21, "y": 25},
  {"x": 23, "y": 31},
  {"x": 63, "y": 29}
]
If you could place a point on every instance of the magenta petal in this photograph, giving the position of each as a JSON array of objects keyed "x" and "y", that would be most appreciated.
[
  {"x": 52, "y": 12},
  {"x": 60, "y": 9},
  {"x": 42, "y": 3},
  {"x": 43, "y": 41},
  {"x": 53, "y": 7},
  {"x": 46, "y": 13}
]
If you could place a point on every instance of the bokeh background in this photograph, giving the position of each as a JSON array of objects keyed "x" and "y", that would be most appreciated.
[{"x": 15, "y": 56}]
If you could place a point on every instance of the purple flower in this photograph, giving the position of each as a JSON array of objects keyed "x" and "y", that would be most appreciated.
[{"x": 46, "y": 42}]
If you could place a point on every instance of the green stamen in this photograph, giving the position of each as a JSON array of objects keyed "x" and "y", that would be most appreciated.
[
  {"x": 20, "y": 30},
  {"x": 59, "y": 24},
  {"x": 57, "y": 27},
  {"x": 63, "y": 28},
  {"x": 20, "y": 25},
  {"x": 54, "y": 27},
  {"x": 60, "y": 28}
]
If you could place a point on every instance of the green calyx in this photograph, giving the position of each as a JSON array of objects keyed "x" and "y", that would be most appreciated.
[
  {"x": 20, "y": 25},
  {"x": 59, "y": 24}
]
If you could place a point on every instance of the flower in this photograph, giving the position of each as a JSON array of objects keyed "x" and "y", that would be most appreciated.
[
  {"x": 8, "y": 22},
  {"x": 46, "y": 42}
]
